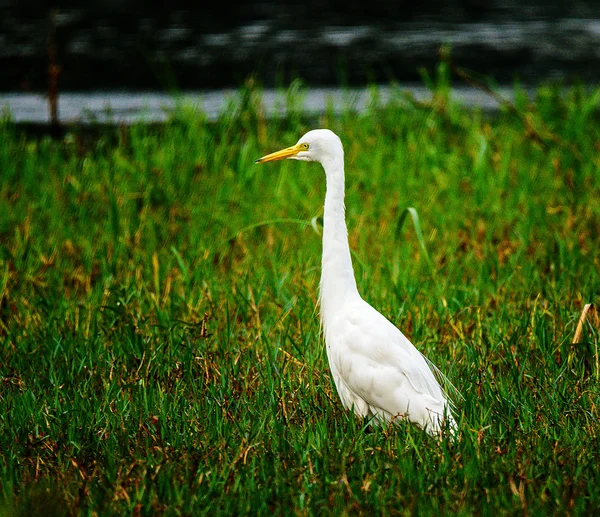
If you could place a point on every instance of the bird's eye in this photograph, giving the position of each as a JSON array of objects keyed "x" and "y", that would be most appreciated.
[{"x": 305, "y": 146}]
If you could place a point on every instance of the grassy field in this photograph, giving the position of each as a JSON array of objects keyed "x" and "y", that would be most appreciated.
[{"x": 160, "y": 347}]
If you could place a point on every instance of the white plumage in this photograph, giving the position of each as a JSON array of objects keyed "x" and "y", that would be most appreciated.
[{"x": 377, "y": 371}]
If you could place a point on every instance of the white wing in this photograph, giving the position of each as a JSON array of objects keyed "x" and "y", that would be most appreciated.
[{"x": 379, "y": 372}]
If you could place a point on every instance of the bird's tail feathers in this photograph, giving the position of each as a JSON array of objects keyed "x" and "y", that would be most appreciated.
[{"x": 450, "y": 391}]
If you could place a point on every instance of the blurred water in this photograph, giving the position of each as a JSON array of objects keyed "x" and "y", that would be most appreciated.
[
  {"x": 127, "y": 49},
  {"x": 126, "y": 108}
]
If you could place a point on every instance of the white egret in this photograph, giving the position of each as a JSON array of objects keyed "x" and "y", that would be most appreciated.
[{"x": 377, "y": 371}]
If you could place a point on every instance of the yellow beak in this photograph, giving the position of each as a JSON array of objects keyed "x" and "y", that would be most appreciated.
[{"x": 281, "y": 155}]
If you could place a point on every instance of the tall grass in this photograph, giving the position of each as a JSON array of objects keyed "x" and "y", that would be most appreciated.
[{"x": 160, "y": 341}]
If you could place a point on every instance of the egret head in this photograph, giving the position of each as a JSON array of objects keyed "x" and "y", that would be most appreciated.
[{"x": 318, "y": 145}]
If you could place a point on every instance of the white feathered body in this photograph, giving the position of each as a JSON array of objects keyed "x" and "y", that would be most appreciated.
[{"x": 377, "y": 371}]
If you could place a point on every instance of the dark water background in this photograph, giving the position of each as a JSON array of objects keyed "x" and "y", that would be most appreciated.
[
  {"x": 127, "y": 45},
  {"x": 119, "y": 60}
]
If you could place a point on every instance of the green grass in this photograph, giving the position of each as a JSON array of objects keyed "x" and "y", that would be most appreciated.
[{"x": 160, "y": 344}]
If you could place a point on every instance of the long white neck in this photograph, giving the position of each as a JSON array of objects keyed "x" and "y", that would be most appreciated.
[{"x": 337, "y": 276}]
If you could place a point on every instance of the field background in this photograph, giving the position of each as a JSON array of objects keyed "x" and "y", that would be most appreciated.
[{"x": 161, "y": 350}]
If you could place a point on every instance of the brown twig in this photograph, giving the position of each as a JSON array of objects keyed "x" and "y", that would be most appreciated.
[
  {"x": 53, "y": 73},
  {"x": 469, "y": 79},
  {"x": 590, "y": 310},
  {"x": 531, "y": 131}
]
